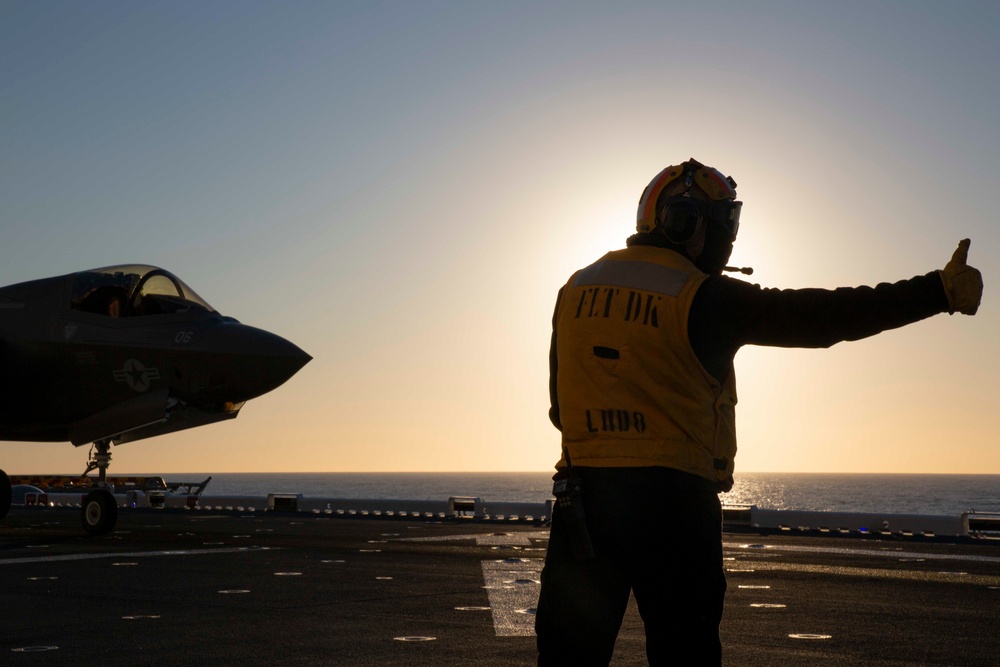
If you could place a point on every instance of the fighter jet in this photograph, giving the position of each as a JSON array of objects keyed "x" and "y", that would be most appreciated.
[{"x": 122, "y": 353}]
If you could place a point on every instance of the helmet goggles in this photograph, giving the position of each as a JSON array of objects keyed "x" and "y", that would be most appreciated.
[
  {"x": 673, "y": 184},
  {"x": 682, "y": 212}
]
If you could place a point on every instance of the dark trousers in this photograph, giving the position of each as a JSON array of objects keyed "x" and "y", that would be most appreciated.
[{"x": 656, "y": 532}]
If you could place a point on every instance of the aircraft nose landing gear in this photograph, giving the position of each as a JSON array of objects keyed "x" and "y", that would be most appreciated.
[
  {"x": 100, "y": 512},
  {"x": 100, "y": 509}
]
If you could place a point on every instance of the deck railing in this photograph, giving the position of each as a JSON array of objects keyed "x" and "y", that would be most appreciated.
[{"x": 743, "y": 517}]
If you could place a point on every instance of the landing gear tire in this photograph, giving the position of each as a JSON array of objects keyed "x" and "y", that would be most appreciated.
[
  {"x": 100, "y": 512},
  {"x": 5, "y": 494}
]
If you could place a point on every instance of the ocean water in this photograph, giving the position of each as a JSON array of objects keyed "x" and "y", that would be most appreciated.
[{"x": 885, "y": 493}]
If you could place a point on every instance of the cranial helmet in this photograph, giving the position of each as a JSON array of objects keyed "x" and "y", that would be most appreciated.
[{"x": 680, "y": 197}]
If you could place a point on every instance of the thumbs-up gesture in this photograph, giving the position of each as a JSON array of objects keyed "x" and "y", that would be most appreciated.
[{"x": 962, "y": 283}]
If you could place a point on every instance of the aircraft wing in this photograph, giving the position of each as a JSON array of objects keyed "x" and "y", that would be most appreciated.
[
  {"x": 178, "y": 420},
  {"x": 136, "y": 413},
  {"x": 143, "y": 417}
]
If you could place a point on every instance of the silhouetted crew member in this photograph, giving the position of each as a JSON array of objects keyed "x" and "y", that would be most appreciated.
[{"x": 643, "y": 390}]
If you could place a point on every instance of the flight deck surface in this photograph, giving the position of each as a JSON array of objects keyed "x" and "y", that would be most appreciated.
[{"x": 193, "y": 587}]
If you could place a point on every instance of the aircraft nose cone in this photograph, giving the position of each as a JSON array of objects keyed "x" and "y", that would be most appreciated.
[
  {"x": 263, "y": 360},
  {"x": 283, "y": 358}
]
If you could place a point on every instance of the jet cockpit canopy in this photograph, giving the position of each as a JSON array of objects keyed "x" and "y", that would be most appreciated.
[{"x": 132, "y": 290}]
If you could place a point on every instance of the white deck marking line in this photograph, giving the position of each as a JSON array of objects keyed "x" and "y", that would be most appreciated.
[
  {"x": 849, "y": 571},
  {"x": 513, "y": 588},
  {"x": 522, "y": 539},
  {"x": 129, "y": 554},
  {"x": 743, "y": 547}
]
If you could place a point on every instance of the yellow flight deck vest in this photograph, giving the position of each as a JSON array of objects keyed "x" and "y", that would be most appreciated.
[{"x": 630, "y": 388}]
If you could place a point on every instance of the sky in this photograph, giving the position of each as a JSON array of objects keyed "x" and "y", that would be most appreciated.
[{"x": 400, "y": 188}]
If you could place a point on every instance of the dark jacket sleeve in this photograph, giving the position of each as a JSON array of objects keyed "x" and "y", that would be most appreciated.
[
  {"x": 727, "y": 314},
  {"x": 554, "y": 368}
]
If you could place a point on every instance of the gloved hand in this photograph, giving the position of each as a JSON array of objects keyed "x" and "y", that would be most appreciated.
[{"x": 963, "y": 284}]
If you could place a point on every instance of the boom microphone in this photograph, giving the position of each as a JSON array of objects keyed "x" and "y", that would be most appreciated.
[{"x": 739, "y": 269}]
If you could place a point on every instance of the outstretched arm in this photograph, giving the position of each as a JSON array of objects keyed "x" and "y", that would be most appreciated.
[{"x": 728, "y": 313}]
